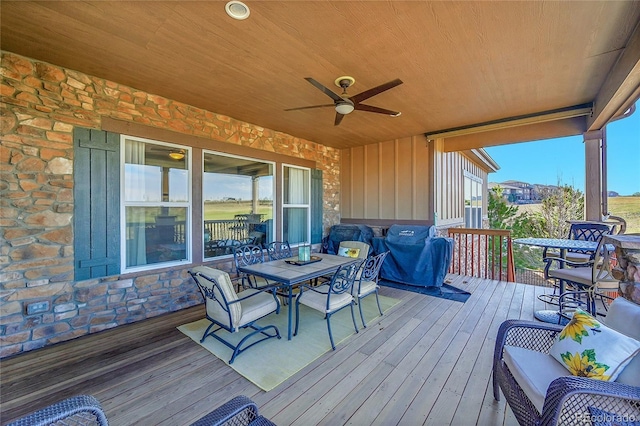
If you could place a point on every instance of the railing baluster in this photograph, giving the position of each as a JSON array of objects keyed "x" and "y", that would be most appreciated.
[{"x": 482, "y": 248}]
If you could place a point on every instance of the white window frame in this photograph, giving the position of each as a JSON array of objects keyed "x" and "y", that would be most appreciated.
[
  {"x": 477, "y": 180},
  {"x": 307, "y": 205},
  {"x": 223, "y": 154},
  {"x": 124, "y": 204}
]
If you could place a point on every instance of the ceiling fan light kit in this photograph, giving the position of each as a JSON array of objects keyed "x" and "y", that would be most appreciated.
[
  {"x": 344, "y": 108},
  {"x": 345, "y": 104},
  {"x": 176, "y": 155}
]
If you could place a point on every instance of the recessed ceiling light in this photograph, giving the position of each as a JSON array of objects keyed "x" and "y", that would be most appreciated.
[{"x": 237, "y": 10}]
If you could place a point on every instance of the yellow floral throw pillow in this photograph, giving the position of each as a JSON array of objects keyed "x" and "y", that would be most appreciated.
[
  {"x": 348, "y": 252},
  {"x": 588, "y": 348}
]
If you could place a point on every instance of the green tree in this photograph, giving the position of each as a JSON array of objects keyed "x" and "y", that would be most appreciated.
[
  {"x": 560, "y": 205},
  {"x": 504, "y": 216},
  {"x": 501, "y": 215}
]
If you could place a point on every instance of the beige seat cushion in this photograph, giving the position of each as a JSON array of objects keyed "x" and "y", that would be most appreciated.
[
  {"x": 214, "y": 310},
  {"x": 367, "y": 287},
  {"x": 256, "y": 306},
  {"x": 624, "y": 317},
  {"x": 318, "y": 301},
  {"x": 579, "y": 275},
  {"x": 534, "y": 371}
]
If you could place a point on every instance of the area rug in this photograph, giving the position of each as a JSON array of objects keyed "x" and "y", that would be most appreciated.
[
  {"x": 273, "y": 361},
  {"x": 445, "y": 292}
]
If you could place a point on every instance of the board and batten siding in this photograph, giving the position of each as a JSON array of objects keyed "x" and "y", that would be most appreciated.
[
  {"x": 386, "y": 180},
  {"x": 408, "y": 179}
]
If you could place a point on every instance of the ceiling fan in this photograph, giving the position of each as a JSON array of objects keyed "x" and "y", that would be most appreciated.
[{"x": 345, "y": 104}]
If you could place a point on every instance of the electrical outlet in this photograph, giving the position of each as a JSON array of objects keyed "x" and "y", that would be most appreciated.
[{"x": 37, "y": 307}]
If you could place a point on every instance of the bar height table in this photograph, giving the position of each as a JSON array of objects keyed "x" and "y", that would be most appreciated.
[{"x": 562, "y": 244}]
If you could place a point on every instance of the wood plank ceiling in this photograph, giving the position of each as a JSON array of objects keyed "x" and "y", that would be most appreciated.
[{"x": 462, "y": 63}]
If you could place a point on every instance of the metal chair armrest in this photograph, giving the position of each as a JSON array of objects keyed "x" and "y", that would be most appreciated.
[
  {"x": 565, "y": 262},
  {"x": 568, "y": 400},
  {"x": 81, "y": 409}
]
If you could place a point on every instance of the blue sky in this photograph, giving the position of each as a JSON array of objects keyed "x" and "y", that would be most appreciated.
[
  {"x": 562, "y": 160},
  {"x": 218, "y": 186}
]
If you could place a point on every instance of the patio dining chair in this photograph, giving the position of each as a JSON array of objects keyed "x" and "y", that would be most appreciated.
[
  {"x": 331, "y": 297},
  {"x": 592, "y": 278},
  {"x": 578, "y": 231},
  {"x": 348, "y": 248},
  {"x": 279, "y": 250},
  {"x": 367, "y": 282},
  {"x": 360, "y": 249},
  {"x": 232, "y": 312},
  {"x": 245, "y": 255}
]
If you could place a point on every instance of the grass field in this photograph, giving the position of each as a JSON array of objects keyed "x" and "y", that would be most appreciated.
[
  {"x": 627, "y": 208},
  {"x": 217, "y": 210}
]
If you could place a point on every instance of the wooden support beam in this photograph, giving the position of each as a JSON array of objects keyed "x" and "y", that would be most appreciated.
[
  {"x": 621, "y": 87},
  {"x": 592, "y": 172}
]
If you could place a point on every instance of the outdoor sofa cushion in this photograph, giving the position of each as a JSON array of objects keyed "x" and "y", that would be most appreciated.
[
  {"x": 588, "y": 348},
  {"x": 534, "y": 371},
  {"x": 624, "y": 316}
]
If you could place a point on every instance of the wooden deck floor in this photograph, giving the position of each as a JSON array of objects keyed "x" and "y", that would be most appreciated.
[{"x": 428, "y": 361}]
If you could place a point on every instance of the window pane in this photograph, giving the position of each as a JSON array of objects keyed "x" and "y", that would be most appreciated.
[
  {"x": 156, "y": 204},
  {"x": 152, "y": 175},
  {"x": 295, "y": 222},
  {"x": 155, "y": 235},
  {"x": 296, "y": 186},
  {"x": 238, "y": 203}
]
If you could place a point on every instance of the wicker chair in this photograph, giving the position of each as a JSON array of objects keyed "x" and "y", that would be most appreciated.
[
  {"x": 240, "y": 411},
  {"x": 77, "y": 410},
  {"x": 85, "y": 410},
  {"x": 568, "y": 400}
]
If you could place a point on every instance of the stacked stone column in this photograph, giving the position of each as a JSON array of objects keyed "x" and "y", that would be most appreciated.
[{"x": 627, "y": 269}]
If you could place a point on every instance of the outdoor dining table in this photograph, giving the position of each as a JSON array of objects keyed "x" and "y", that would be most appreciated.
[
  {"x": 288, "y": 275},
  {"x": 562, "y": 244}
]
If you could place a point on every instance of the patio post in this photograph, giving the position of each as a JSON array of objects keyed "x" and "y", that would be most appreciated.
[{"x": 593, "y": 175}]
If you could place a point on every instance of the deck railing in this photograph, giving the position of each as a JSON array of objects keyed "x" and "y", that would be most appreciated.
[
  {"x": 227, "y": 229},
  {"x": 483, "y": 253}
]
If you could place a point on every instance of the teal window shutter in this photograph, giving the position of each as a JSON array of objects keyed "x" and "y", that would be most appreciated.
[
  {"x": 317, "y": 191},
  {"x": 96, "y": 218}
]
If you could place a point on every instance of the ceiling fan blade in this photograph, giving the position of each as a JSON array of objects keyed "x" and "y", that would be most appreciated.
[
  {"x": 369, "y": 108},
  {"x": 339, "y": 118},
  {"x": 374, "y": 91},
  {"x": 324, "y": 89},
  {"x": 309, "y": 107}
]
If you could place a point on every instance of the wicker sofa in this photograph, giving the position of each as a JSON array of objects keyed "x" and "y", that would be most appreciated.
[{"x": 540, "y": 391}]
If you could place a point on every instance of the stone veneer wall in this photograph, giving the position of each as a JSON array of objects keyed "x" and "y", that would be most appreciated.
[{"x": 40, "y": 106}]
